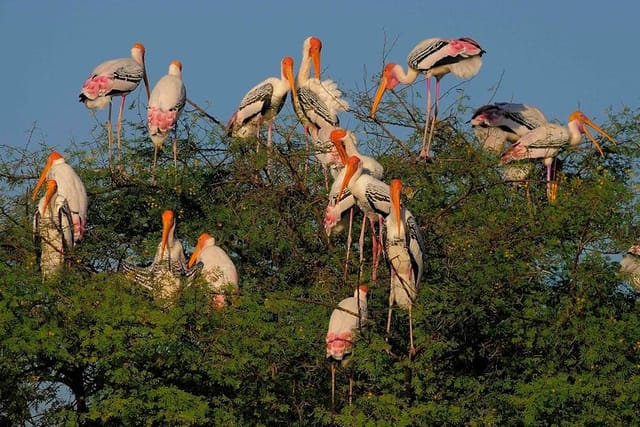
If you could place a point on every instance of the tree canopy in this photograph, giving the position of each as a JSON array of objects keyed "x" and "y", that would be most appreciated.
[{"x": 522, "y": 316}]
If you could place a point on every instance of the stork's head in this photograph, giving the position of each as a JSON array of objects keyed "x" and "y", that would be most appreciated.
[
  {"x": 168, "y": 227},
  {"x": 203, "y": 241},
  {"x": 351, "y": 167},
  {"x": 175, "y": 68},
  {"x": 287, "y": 72},
  {"x": 54, "y": 158},
  {"x": 315, "y": 47},
  {"x": 388, "y": 81},
  {"x": 137, "y": 53},
  {"x": 337, "y": 137},
  {"x": 578, "y": 119}
]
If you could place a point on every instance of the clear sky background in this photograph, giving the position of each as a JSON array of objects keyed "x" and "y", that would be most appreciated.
[{"x": 557, "y": 55}]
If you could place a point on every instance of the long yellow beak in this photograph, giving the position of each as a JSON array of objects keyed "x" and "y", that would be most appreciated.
[
  {"x": 167, "y": 224},
  {"x": 43, "y": 176},
  {"x": 395, "y": 191},
  {"x": 314, "y": 53},
  {"x": 52, "y": 189},
  {"x": 287, "y": 71},
  {"x": 336, "y": 137},
  {"x": 350, "y": 169},
  {"x": 196, "y": 252},
  {"x": 588, "y": 122}
]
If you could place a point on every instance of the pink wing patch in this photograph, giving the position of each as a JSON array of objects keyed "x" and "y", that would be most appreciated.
[
  {"x": 516, "y": 152},
  {"x": 331, "y": 217},
  {"x": 97, "y": 86},
  {"x": 339, "y": 344},
  {"x": 161, "y": 121}
]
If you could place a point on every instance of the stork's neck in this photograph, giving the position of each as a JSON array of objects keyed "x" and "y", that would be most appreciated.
[
  {"x": 305, "y": 68},
  {"x": 575, "y": 132},
  {"x": 405, "y": 78}
]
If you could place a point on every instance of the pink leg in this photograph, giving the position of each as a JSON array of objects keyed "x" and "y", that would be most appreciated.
[
  {"x": 435, "y": 115},
  {"x": 155, "y": 161},
  {"x": 110, "y": 135},
  {"x": 374, "y": 251},
  {"x": 424, "y": 153},
  {"x": 119, "y": 130},
  {"x": 269, "y": 133},
  {"x": 346, "y": 263},
  {"x": 361, "y": 244}
]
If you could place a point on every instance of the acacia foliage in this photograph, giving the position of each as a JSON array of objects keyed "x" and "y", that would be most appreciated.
[{"x": 522, "y": 317}]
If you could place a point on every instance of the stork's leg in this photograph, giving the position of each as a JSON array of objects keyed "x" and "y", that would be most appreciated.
[
  {"x": 423, "y": 152},
  {"x": 350, "y": 387},
  {"x": 412, "y": 348},
  {"x": 435, "y": 116},
  {"x": 269, "y": 133},
  {"x": 333, "y": 386},
  {"x": 110, "y": 135},
  {"x": 361, "y": 246},
  {"x": 391, "y": 300},
  {"x": 119, "y": 130},
  {"x": 349, "y": 239},
  {"x": 153, "y": 168},
  {"x": 374, "y": 250}
]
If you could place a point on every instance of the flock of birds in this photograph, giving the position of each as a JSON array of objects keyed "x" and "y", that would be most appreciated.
[{"x": 512, "y": 131}]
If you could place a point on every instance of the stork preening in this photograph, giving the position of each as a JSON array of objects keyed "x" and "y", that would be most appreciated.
[
  {"x": 496, "y": 124},
  {"x": 70, "y": 187},
  {"x": 547, "y": 141},
  {"x": 435, "y": 57},
  {"x": 262, "y": 104},
  {"x": 52, "y": 230},
  {"x": 346, "y": 320},
  {"x": 166, "y": 102},
  {"x": 217, "y": 268},
  {"x": 405, "y": 248},
  {"x": 116, "y": 77}
]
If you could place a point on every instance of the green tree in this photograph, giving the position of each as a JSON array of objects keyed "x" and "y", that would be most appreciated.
[{"x": 522, "y": 317}]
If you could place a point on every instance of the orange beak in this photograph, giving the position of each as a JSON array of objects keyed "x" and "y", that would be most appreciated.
[
  {"x": 585, "y": 121},
  {"x": 388, "y": 81},
  {"x": 314, "y": 53},
  {"x": 52, "y": 189},
  {"x": 337, "y": 137},
  {"x": 395, "y": 190},
  {"x": 287, "y": 71},
  {"x": 196, "y": 252},
  {"x": 168, "y": 221},
  {"x": 350, "y": 169},
  {"x": 144, "y": 72},
  {"x": 43, "y": 176}
]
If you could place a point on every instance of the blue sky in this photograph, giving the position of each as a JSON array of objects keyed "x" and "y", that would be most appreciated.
[{"x": 556, "y": 55}]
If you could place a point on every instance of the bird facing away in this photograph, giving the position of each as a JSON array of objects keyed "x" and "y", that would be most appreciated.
[
  {"x": 434, "y": 57},
  {"x": 262, "y": 104},
  {"x": 218, "y": 269},
  {"x": 70, "y": 187},
  {"x": 52, "y": 230},
  {"x": 116, "y": 77},
  {"x": 547, "y": 141},
  {"x": 405, "y": 248},
  {"x": 166, "y": 102},
  {"x": 496, "y": 124}
]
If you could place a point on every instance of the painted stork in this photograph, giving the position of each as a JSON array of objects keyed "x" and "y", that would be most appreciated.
[
  {"x": 218, "y": 269},
  {"x": 369, "y": 165},
  {"x": 405, "y": 247},
  {"x": 164, "y": 276},
  {"x": 262, "y": 104},
  {"x": 317, "y": 103},
  {"x": 630, "y": 264},
  {"x": 52, "y": 230},
  {"x": 545, "y": 142},
  {"x": 372, "y": 197},
  {"x": 70, "y": 187},
  {"x": 344, "y": 323},
  {"x": 116, "y": 77},
  {"x": 433, "y": 57},
  {"x": 166, "y": 102},
  {"x": 495, "y": 124}
]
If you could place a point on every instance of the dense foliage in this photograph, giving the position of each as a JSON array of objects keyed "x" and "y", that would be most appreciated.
[{"x": 522, "y": 317}]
